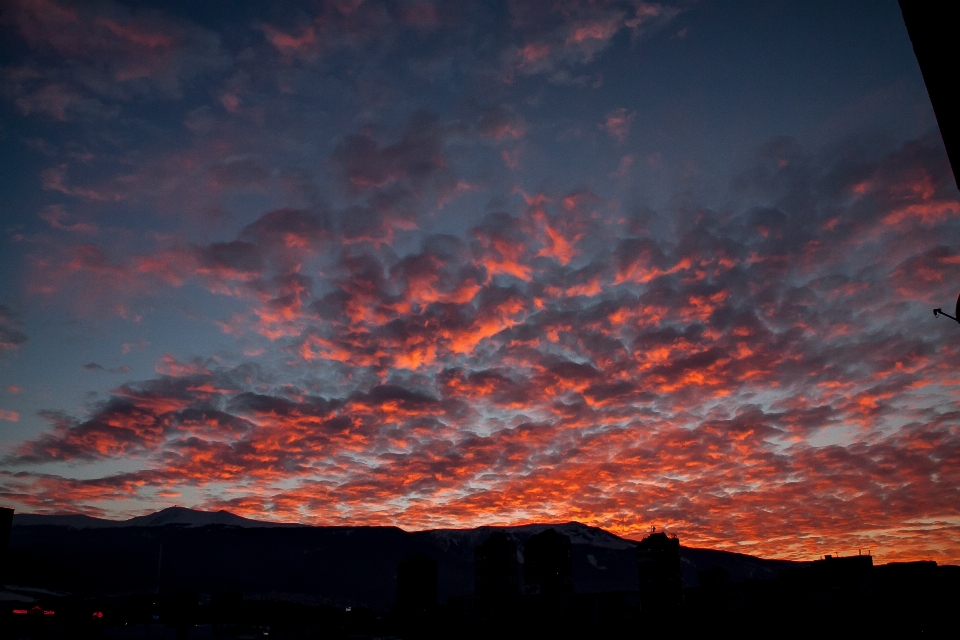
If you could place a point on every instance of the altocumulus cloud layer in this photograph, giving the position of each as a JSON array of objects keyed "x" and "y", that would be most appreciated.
[{"x": 445, "y": 290}]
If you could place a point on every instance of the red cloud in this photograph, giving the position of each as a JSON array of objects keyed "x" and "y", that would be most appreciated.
[
  {"x": 558, "y": 38},
  {"x": 740, "y": 379},
  {"x": 617, "y": 123},
  {"x": 286, "y": 42}
]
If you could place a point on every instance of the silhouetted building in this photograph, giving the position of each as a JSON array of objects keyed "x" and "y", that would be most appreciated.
[
  {"x": 909, "y": 588},
  {"x": 6, "y": 523},
  {"x": 417, "y": 583},
  {"x": 832, "y": 586},
  {"x": 658, "y": 566},
  {"x": 547, "y": 564},
  {"x": 181, "y": 607},
  {"x": 226, "y": 605},
  {"x": 711, "y": 600},
  {"x": 896, "y": 574},
  {"x": 847, "y": 577},
  {"x": 714, "y": 578},
  {"x": 496, "y": 570}
]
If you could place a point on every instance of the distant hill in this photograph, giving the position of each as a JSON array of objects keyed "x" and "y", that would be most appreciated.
[
  {"x": 169, "y": 516},
  {"x": 74, "y": 521},
  {"x": 211, "y": 551}
]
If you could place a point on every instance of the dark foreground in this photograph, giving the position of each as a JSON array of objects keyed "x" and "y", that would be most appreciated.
[
  {"x": 187, "y": 574},
  {"x": 904, "y": 600}
]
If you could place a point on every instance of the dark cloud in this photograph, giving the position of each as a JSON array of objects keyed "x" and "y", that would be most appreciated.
[
  {"x": 500, "y": 123},
  {"x": 397, "y": 180},
  {"x": 108, "y": 54},
  {"x": 237, "y": 257},
  {"x": 555, "y": 40},
  {"x": 11, "y": 335},
  {"x": 290, "y": 228},
  {"x": 243, "y": 173}
]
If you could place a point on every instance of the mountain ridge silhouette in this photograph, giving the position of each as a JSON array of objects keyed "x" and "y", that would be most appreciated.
[{"x": 348, "y": 565}]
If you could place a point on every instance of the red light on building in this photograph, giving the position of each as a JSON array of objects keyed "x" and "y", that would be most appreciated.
[
  {"x": 98, "y": 614},
  {"x": 49, "y": 613},
  {"x": 20, "y": 612}
]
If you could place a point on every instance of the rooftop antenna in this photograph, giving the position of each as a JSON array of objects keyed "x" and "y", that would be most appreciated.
[{"x": 956, "y": 312}]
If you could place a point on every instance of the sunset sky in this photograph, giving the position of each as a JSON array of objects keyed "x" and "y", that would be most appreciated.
[{"x": 444, "y": 264}]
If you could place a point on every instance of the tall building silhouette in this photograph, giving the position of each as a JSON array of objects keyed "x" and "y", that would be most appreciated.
[
  {"x": 417, "y": 583},
  {"x": 496, "y": 569},
  {"x": 547, "y": 565},
  {"x": 658, "y": 566}
]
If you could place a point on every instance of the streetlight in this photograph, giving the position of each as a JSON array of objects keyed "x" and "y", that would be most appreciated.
[{"x": 956, "y": 312}]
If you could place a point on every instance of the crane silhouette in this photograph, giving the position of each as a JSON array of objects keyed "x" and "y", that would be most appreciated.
[{"x": 956, "y": 312}]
